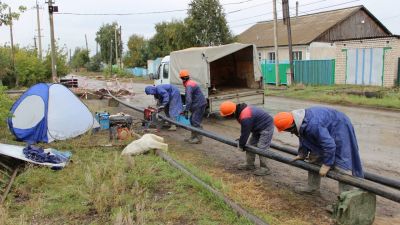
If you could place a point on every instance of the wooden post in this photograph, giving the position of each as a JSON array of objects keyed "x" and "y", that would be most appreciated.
[
  {"x": 12, "y": 49},
  {"x": 111, "y": 57},
  {"x": 53, "y": 46},
  {"x": 87, "y": 49},
  {"x": 285, "y": 5},
  {"x": 40, "y": 38},
  {"x": 276, "y": 46},
  {"x": 116, "y": 46}
]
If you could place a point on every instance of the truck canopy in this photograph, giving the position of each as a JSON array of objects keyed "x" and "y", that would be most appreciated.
[{"x": 232, "y": 64}]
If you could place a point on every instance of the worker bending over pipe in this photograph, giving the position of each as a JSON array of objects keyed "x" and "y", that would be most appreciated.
[
  {"x": 169, "y": 98},
  {"x": 327, "y": 138},
  {"x": 260, "y": 124}
]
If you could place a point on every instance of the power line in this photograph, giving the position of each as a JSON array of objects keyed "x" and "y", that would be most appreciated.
[
  {"x": 272, "y": 12},
  {"x": 248, "y": 8},
  {"x": 390, "y": 17},
  {"x": 144, "y": 13},
  {"x": 299, "y": 11}
]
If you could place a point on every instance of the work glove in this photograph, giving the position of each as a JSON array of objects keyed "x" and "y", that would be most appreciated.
[
  {"x": 186, "y": 114},
  {"x": 324, "y": 170},
  {"x": 299, "y": 157},
  {"x": 237, "y": 139},
  {"x": 161, "y": 108}
]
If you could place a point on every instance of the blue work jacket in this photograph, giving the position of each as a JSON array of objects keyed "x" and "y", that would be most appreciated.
[
  {"x": 194, "y": 96},
  {"x": 330, "y": 134},
  {"x": 253, "y": 119},
  {"x": 168, "y": 95}
]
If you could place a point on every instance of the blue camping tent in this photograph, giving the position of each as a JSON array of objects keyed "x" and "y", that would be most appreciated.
[{"x": 48, "y": 112}]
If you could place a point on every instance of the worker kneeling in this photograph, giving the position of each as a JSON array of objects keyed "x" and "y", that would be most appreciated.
[
  {"x": 260, "y": 124},
  {"x": 327, "y": 137}
]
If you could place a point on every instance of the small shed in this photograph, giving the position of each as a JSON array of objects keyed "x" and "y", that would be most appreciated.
[{"x": 150, "y": 66}]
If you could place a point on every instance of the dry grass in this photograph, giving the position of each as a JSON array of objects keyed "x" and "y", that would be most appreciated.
[{"x": 275, "y": 206}]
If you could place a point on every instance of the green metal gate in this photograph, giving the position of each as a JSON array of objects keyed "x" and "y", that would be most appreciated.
[
  {"x": 315, "y": 72},
  {"x": 268, "y": 70}
]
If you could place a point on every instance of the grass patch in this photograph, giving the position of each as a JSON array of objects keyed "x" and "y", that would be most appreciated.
[
  {"x": 343, "y": 94},
  {"x": 100, "y": 187}
]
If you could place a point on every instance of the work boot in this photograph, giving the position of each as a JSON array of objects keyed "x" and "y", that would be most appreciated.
[
  {"x": 196, "y": 139},
  {"x": 249, "y": 164},
  {"x": 189, "y": 138},
  {"x": 263, "y": 170},
  {"x": 199, "y": 136},
  {"x": 314, "y": 181},
  {"x": 172, "y": 128}
]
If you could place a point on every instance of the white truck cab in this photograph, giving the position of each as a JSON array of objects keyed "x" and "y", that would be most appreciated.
[{"x": 163, "y": 74}]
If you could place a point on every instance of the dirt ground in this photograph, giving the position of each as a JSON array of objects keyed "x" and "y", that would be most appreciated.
[{"x": 377, "y": 131}]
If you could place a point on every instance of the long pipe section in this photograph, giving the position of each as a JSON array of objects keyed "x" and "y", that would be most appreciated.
[
  {"x": 366, "y": 185},
  {"x": 241, "y": 211},
  {"x": 367, "y": 175}
]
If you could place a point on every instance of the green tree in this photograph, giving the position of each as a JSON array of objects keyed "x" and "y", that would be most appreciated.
[
  {"x": 61, "y": 62},
  {"x": 30, "y": 68},
  {"x": 105, "y": 34},
  {"x": 5, "y": 62},
  {"x": 80, "y": 57},
  {"x": 207, "y": 24},
  {"x": 137, "y": 55},
  {"x": 170, "y": 36},
  {"x": 5, "y": 17}
]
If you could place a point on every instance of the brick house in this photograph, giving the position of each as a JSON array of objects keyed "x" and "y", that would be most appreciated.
[{"x": 365, "y": 51}]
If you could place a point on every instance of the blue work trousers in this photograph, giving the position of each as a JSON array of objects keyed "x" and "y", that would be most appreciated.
[{"x": 197, "y": 116}]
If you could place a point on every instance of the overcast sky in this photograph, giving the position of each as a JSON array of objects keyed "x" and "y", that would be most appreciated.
[{"x": 70, "y": 29}]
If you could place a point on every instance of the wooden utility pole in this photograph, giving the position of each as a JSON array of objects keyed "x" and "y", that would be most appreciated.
[
  {"x": 111, "y": 56},
  {"x": 53, "y": 46},
  {"x": 34, "y": 38},
  {"x": 120, "y": 47},
  {"x": 39, "y": 36},
  {"x": 87, "y": 49},
  {"x": 70, "y": 59},
  {"x": 286, "y": 19},
  {"x": 276, "y": 46},
  {"x": 12, "y": 49},
  {"x": 116, "y": 46},
  {"x": 297, "y": 12}
]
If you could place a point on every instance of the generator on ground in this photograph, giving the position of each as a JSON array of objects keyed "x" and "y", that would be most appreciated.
[
  {"x": 150, "y": 118},
  {"x": 120, "y": 125}
]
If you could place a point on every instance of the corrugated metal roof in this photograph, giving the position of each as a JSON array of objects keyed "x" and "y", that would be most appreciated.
[{"x": 304, "y": 31}]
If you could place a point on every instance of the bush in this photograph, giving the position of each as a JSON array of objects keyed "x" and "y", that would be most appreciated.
[{"x": 5, "y": 106}]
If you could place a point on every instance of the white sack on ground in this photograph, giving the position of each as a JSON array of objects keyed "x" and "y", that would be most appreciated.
[{"x": 144, "y": 144}]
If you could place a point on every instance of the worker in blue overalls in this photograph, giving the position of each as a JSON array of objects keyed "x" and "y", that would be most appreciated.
[{"x": 169, "y": 99}]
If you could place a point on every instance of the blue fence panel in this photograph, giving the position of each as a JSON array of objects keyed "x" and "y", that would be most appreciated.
[
  {"x": 137, "y": 71},
  {"x": 315, "y": 72}
]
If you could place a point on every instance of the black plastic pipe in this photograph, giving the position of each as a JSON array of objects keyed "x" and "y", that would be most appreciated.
[
  {"x": 366, "y": 185},
  {"x": 367, "y": 175},
  {"x": 241, "y": 211}
]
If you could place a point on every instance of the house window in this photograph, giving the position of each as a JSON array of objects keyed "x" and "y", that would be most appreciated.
[
  {"x": 271, "y": 55},
  {"x": 259, "y": 56},
  {"x": 297, "y": 55}
]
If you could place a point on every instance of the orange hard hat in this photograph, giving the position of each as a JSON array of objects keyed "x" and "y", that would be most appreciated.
[
  {"x": 283, "y": 121},
  {"x": 184, "y": 73},
  {"x": 227, "y": 108}
]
